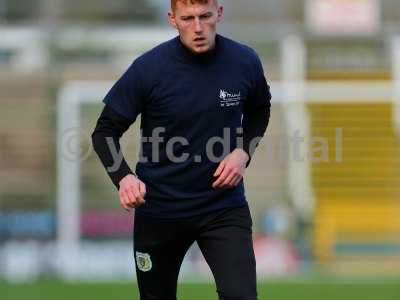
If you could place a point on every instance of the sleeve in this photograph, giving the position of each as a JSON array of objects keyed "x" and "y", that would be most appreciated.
[
  {"x": 105, "y": 139},
  {"x": 260, "y": 95},
  {"x": 256, "y": 112},
  {"x": 128, "y": 95}
]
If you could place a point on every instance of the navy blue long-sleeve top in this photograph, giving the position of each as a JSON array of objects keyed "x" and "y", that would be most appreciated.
[{"x": 198, "y": 108}]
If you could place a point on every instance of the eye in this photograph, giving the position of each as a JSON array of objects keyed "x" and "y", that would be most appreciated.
[
  {"x": 186, "y": 18},
  {"x": 206, "y": 16}
]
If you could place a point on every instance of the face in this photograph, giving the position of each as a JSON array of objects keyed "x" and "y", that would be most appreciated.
[{"x": 196, "y": 24}]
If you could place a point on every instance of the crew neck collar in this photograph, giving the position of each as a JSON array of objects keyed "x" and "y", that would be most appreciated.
[{"x": 202, "y": 58}]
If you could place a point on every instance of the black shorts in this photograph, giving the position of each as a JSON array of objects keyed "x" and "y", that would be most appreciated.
[{"x": 224, "y": 238}]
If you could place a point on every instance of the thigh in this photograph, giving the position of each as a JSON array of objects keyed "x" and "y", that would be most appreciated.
[
  {"x": 226, "y": 243},
  {"x": 159, "y": 248}
]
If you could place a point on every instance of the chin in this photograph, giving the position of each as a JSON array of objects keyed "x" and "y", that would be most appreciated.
[{"x": 200, "y": 50}]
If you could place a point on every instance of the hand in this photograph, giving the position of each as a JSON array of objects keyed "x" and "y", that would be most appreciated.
[
  {"x": 131, "y": 192},
  {"x": 231, "y": 170}
]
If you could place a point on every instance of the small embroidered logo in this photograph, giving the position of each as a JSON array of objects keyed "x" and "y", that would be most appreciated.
[
  {"x": 143, "y": 261},
  {"x": 229, "y": 99},
  {"x": 222, "y": 94}
]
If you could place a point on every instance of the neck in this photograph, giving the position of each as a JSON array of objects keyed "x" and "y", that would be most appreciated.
[
  {"x": 196, "y": 53},
  {"x": 203, "y": 58}
]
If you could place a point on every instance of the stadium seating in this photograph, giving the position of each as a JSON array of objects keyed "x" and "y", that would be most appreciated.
[{"x": 358, "y": 208}]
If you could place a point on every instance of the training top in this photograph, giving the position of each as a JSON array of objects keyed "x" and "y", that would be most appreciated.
[{"x": 188, "y": 104}]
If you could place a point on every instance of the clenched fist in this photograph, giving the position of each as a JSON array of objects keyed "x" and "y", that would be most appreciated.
[{"x": 131, "y": 192}]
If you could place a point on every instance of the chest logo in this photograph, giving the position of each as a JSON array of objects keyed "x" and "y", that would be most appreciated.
[{"x": 229, "y": 99}]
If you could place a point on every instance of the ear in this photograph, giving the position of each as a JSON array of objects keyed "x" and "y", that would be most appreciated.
[
  {"x": 172, "y": 19},
  {"x": 220, "y": 13}
]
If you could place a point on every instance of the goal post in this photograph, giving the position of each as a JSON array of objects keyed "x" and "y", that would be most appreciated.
[
  {"x": 396, "y": 79},
  {"x": 71, "y": 96}
]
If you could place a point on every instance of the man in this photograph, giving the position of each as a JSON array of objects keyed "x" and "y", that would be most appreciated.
[{"x": 204, "y": 105}]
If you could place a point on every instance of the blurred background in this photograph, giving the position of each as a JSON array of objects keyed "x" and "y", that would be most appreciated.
[{"x": 324, "y": 185}]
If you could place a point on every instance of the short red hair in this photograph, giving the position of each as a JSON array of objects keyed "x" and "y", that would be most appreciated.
[{"x": 173, "y": 2}]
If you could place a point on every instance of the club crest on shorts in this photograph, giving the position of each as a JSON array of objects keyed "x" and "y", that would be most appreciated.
[{"x": 143, "y": 261}]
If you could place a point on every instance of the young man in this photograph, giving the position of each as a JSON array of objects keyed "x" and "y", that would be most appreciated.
[{"x": 192, "y": 92}]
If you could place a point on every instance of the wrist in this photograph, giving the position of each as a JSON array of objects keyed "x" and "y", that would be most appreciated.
[
  {"x": 245, "y": 154},
  {"x": 120, "y": 176},
  {"x": 128, "y": 175}
]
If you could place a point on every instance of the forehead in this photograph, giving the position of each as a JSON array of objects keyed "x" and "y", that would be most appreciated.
[{"x": 197, "y": 8}]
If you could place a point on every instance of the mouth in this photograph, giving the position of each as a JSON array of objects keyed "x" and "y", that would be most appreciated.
[{"x": 199, "y": 39}]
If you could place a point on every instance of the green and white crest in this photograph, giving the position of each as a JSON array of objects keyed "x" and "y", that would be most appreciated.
[{"x": 143, "y": 261}]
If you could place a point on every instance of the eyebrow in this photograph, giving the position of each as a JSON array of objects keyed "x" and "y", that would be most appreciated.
[{"x": 209, "y": 13}]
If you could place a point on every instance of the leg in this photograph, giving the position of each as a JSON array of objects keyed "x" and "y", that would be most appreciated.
[
  {"x": 160, "y": 247},
  {"x": 226, "y": 243}
]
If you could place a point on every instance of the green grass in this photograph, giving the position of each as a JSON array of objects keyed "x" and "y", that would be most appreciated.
[{"x": 277, "y": 290}]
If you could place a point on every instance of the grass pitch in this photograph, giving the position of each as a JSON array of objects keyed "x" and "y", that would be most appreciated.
[{"x": 277, "y": 290}]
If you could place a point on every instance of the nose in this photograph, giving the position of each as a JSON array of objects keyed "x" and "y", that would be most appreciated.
[{"x": 198, "y": 26}]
